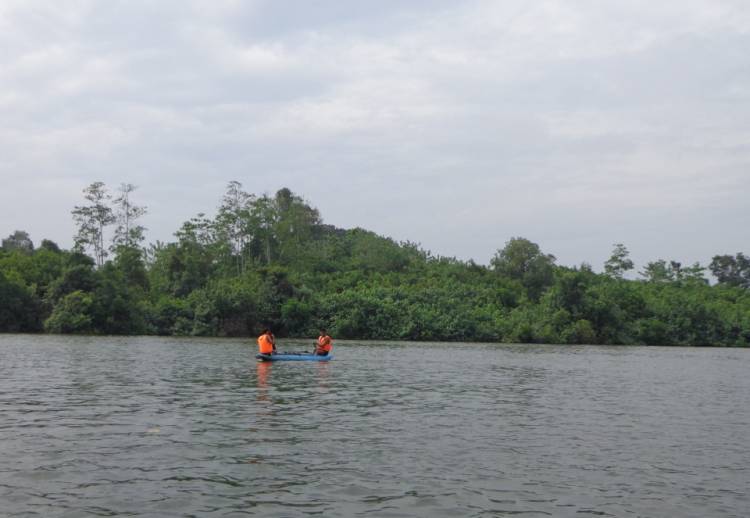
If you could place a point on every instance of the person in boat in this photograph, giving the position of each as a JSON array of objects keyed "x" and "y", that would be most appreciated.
[
  {"x": 266, "y": 342},
  {"x": 324, "y": 345}
]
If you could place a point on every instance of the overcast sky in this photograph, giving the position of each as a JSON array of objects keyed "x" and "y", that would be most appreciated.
[{"x": 458, "y": 125}]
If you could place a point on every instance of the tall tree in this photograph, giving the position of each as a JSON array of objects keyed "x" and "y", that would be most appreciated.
[
  {"x": 657, "y": 271},
  {"x": 188, "y": 264},
  {"x": 92, "y": 219},
  {"x": 265, "y": 216},
  {"x": 619, "y": 262},
  {"x": 732, "y": 271},
  {"x": 523, "y": 260},
  {"x": 295, "y": 225},
  {"x": 18, "y": 240},
  {"x": 693, "y": 273},
  {"x": 662, "y": 271},
  {"x": 128, "y": 232},
  {"x": 233, "y": 221}
]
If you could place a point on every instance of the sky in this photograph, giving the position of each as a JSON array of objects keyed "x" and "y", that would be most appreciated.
[{"x": 456, "y": 125}]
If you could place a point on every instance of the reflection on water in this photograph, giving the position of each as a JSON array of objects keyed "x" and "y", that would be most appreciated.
[
  {"x": 322, "y": 371},
  {"x": 180, "y": 427},
  {"x": 263, "y": 371}
]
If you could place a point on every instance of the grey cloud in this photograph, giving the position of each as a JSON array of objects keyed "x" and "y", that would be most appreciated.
[{"x": 576, "y": 124}]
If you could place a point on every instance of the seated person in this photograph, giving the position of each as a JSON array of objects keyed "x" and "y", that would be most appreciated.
[
  {"x": 266, "y": 343},
  {"x": 324, "y": 345}
]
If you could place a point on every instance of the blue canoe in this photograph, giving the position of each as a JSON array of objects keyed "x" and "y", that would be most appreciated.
[{"x": 293, "y": 357}]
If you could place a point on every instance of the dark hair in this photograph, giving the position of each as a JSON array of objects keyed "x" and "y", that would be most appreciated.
[
  {"x": 323, "y": 329},
  {"x": 265, "y": 330}
]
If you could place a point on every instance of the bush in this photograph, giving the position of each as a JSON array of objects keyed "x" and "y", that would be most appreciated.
[{"x": 71, "y": 315}]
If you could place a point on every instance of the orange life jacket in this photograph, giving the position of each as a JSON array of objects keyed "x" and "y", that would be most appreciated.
[
  {"x": 265, "y": 345},
  {"x": 325, "y": 343}
]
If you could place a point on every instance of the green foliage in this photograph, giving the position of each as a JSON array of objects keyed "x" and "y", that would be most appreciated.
[
  {"x": 19, "y": 241},
  {"x": 168, "y": 316},
  {"x": 523, "y": 261},
  {"x": 660, "y": 272},
  {"x": 20, "y": 310},
  {"x": 619, "y": 262},
  {"x": 372, "y": 253},
  {"x": 129, "y": 262},
  {"x": 579, "y": 332},
  {"x": 72, "y": 314},
  {"x": 117, "y": 308},
  {"x": 92, "y": 219},
  {"x": 732, "y": 271},
  {"x": 296, "y": 317},
  {"x": 269, "y": 261},
  {"x": 37, "y": 270},
  {"x": 75, "y": 277},
  {"x": 128, "y": 233},
  {"x": 50, "y": 246},
  {"x": 181, "y": 268}
]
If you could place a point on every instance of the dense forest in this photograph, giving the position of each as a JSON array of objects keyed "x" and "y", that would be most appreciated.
[{"x": 271, "y": 261}]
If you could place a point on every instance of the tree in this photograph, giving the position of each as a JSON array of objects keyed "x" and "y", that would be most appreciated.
[
  {"x": 295, "y": 225},
  {"x": 657, "y": 271},
  {"x": 264, "y": 217},
  {"x": 570, "y": 290},
  {"x": 268, "y": 260},
  {"x": 185, "y": 266},
  {"x": 50, "y": 246},
  {"x": 127, "y": 233},
  {"x": 692, "y": 273},
  {"x": 523, "y": 260},
  {"x": 732, "y": 271},
  {"x": 71, "y": 315},
  {"x": 77, "y": 275},
  {"x": 199, "y": 230},
  {"x": 19, "y": 309},
  {"x": 18, "y": 240},
  {"x": 662, "y": 271},
  {"x": 233, "y": 221},
  {"x": 129, "y": 262},
  {"x": 371, "y": 252},
  {"x": 116, "y": 307},
  {"x": 92, "y": 219},
  {"x": 618, "y": 263}
]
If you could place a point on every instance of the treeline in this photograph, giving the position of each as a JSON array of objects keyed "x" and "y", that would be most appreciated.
[{"x": 271, "y": 261}]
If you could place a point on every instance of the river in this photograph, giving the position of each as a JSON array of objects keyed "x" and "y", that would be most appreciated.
[{"x": 145, "y": 426}]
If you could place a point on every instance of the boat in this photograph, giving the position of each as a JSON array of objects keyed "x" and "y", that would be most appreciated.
[{"x": 292, "y": 357}]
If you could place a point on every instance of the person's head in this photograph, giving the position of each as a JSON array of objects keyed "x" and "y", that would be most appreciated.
[
  {"x": 323, "y": 332},
  {"x": 265, "y": 331}
]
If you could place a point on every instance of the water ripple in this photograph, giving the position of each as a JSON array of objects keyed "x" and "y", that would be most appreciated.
[{"x": 193, "y": 427}]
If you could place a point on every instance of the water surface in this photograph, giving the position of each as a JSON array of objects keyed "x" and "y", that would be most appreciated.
[{"x": 196, "y": 427}]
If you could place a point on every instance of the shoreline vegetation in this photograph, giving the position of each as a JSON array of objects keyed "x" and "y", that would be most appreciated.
[{"x": 269, "y": 260}]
